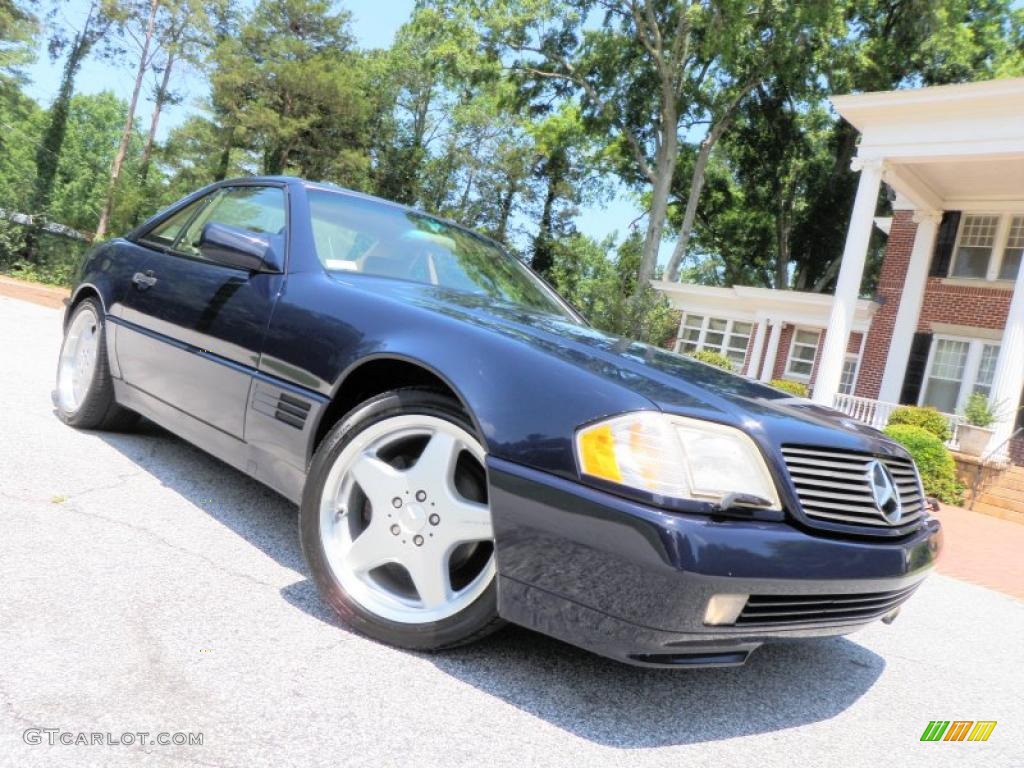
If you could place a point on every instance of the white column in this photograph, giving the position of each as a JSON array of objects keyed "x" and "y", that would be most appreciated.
[
  {"x": 773, "y": 350},
  {"x": 909, "y": 311},
  {"x": 1009, "y": 376},
  {"x": 851, "y": 272},
  {"x": 755, "y": 353}
]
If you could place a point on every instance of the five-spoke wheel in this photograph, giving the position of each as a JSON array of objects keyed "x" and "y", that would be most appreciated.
[
  {"x": 85, "y": 389},
  {"x": 403, "y": 536},
  {"x": 77, "y": 365}
]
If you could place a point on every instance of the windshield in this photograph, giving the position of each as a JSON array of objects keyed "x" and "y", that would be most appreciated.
[{"x": 358, "y": 235}]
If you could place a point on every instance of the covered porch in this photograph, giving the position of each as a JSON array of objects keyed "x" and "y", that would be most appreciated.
[
  {"x": 951, "y": 293},
  {"x": 765, "y": 333}
]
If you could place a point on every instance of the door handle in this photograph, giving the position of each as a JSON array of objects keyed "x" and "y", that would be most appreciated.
[{"x": 144, "y": 280}]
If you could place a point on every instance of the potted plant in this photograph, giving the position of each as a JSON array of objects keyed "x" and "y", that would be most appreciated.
[{"x": 974, "y": 434}]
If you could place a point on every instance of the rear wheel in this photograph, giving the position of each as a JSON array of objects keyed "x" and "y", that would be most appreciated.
[
  {"x": 396, "y": 526},
  {"x": 85, "y": 389}
]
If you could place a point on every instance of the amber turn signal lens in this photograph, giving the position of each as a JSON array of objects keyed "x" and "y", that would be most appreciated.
[{"x": 597, "y": 454}]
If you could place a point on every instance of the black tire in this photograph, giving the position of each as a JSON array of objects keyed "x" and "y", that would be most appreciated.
[
  {"x": 98, "y": 409},
  {"x": 475, "y": 621}
]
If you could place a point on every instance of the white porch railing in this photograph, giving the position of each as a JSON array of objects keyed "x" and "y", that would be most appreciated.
[
  {"x": 872, "y": 412},
  {"x": 876, "y": 413}
]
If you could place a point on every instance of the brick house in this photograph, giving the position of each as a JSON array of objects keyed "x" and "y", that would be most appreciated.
[{"x": 947, "y": 318}]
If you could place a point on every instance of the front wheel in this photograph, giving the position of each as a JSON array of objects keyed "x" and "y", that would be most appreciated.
[
  {"x": 85, "y": 389},
  {"x": 396, "y": 526}
]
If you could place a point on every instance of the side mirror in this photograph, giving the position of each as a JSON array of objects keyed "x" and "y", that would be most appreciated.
[{"x": 236, "y": 247}]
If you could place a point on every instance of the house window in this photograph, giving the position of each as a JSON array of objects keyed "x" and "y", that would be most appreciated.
[
  {"x": 945, "y": 374},
  {"x": 989, "y": 247},
  {"x": 716, "y": 334},
  {"x": 736, "y": 342},
  {"x": 848, "y": 380},
  {"x": 974, "y": 249},
  {"x": 802, "y": 352},
  {"x": 986, "y": 369},
  {"x": 956, "y": 368},
  {"x": 1013, "y": 251},
  {"x": 689, "y": 339}
]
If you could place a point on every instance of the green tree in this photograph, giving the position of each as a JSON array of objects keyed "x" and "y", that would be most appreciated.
[
  {"x": 433, "y": 68},
  {"x": 91, "y": 141},
  {"x": 18, "y": 28},
  {"x": 101, "y": 17},
  {"x": 139, "y": 27},
  {"x": 890, "y": 46},
  {"x": 775, "y": 212},
  {"x": 599, "y": 280},
  {"x": 630, "y": 74},
  {"x": 566, "y": 167},
  {"x": 290, "y": 88},
  {"x": 756, "y": 43},
  {"x": 183, "y": 31}
]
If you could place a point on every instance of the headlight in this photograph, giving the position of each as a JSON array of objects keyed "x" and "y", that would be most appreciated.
[{"x": 677, "y": 457}]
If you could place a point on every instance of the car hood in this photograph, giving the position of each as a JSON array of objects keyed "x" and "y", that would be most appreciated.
[{"x": 674, "y": 383}]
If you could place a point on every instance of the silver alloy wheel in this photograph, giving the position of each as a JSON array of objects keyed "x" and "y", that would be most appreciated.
[
  {"x": 394, "y": 535},
  {"x": 78, "y": 360}
]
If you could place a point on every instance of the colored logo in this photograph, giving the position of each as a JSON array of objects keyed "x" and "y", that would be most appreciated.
[
  {"x": 958, "y": 730},
  {"x": 883, "y": 489}
]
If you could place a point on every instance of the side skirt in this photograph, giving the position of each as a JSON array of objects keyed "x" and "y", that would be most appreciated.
[{"x": 254, "y": 462}]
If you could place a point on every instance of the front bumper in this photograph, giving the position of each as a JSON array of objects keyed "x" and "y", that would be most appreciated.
[{"x": 632, "y": 582}]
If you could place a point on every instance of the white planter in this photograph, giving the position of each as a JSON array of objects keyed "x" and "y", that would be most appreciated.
[{"x": 973, "y": 440}]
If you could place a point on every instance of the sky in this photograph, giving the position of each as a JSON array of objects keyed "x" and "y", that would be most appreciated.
[{"x": 374, "y": 24}]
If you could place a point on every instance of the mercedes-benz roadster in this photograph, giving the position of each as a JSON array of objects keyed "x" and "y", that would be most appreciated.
[{"x": 466, "y": 450}]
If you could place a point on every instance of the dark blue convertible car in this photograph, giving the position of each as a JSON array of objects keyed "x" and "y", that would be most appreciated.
[{"x": 465, "y": 450}]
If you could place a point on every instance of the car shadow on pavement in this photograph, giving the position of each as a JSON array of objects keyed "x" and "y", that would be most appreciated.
[
  {"x": 612, "y": 704},
  {"x": 262, "y": 517},
  {"x": 783, "y": 685}
]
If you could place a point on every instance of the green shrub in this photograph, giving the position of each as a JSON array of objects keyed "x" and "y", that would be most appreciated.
[
  {"x": 978, "y": 412},
  {"x": 712, "y": 358},
  {"x": 55, "y": 260},
  {"x": 933, "y": 459},
  {"x": 926, "y": 418},
  {"x": 797, "y": 388}
]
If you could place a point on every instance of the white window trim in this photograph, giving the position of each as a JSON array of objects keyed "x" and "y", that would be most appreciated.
[
  {"x": 730, "y": 321},
  {"x": 995, "y": 256},
  {"x": 858, "y": 358},
  {"x": 975, "y": 345},
  {"x": 855, "y": 356},
  {"x": 787, "y": 373}
]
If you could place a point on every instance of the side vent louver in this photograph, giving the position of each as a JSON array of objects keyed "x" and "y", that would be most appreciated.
[
  {"x": 283, "y": 406},
  {"x": 292, "y": 410}
]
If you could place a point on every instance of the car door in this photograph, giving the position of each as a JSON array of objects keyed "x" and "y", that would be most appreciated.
[{"x": 191, "y": 328}]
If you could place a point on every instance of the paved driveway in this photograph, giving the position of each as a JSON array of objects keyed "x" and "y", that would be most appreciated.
[{"x": 146, "y": 587}]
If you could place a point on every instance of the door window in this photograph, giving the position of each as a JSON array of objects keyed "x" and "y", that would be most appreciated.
[
  {"x": 256, "y": 209},
  {"x": 166, "y": 233}
]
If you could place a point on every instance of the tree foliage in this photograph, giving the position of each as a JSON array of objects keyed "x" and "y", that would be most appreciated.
[{"x": 507, "y": 115}]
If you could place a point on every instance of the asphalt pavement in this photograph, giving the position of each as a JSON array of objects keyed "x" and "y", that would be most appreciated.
[{"x": 146, "y": 587}]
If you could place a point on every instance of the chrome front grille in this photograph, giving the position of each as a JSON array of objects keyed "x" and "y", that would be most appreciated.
[
  {"x": 835, "y": 487},
  {"x": 823, "y": 609}
]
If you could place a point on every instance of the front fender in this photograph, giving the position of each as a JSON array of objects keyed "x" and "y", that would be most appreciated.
[{"x": 526, "y": 402}]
